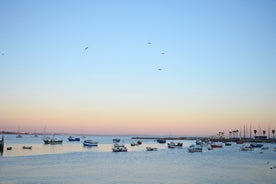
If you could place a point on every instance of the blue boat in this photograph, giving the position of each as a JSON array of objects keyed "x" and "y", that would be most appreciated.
[
  {"x": 90, "y": 143},
  {"x": 255, "y": 145},
  {"x": 161, "y": 141},
  {"x": 71, "y": 138}
]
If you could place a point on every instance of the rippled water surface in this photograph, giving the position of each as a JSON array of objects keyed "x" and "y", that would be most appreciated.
[{"x": 73, "y": 163}]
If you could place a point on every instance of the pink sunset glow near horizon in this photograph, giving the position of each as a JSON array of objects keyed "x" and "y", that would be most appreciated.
[{"x": 144, "y": 67}]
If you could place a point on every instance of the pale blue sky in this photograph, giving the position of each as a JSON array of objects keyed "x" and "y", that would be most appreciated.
[{"x": 219, "y": 55}]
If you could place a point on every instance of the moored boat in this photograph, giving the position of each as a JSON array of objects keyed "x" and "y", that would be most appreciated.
[
  {"x": 27, "y": 147},
  {"x": 90, "y": 143},
  {"x": 247, "y": 148},
  {"x": 119, "y": 148},
  {"x": 175, "y": 145},
  {"x": 116, "y": 140},
  {"x": 199, "y": 142},
  {"x": 161, "y": 141},
  {"x": 48, "y": 140},
  {"x": 216, "y": 145},
  {"x": 151, "y": 149},
  {"x": 139, "y": 142},
  {"x": 71, "y": 138},
  {"x": 228, "y": 144},
  {"x": 265, "y": 148},
  {"x": 239, "y": 142},
  {"x": 133, "y": 144},
  {"x": 195, "y": 148},
  {"x": 255, "y": 145}
]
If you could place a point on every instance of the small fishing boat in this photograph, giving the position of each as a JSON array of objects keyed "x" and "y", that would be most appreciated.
[
  {"x": 265, "y": 148},
  {"x": 199, "y": 142},
  {"x": 228, "y": 144},
  {"x": 239, "y": 142},
  {"x": 19, "y": 136},
  {"x": 119, "y": 148},
  {"x": 175, "y": 145},
  {"x": 71, "y": 138},
  {"x": 195, "y": 148},
  {"x": 48, "y": 140},
  {"x": 27, "y": 147},
  {"x": 216, "y": 145},
  {"x": 247, "y": 148},
  {"x": 255, "y": 145},
  {"x": 139, "y": 142},
  {"x": 133, "y": 144},
  {"x": 90, "y": 143},
  {"x": 151, "y": 149},
  {"x": 116, "y": 140},
  {"x": 161, "y": 141}
]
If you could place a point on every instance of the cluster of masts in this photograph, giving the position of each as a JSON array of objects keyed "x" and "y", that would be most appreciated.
[{"x": 239, "y": 133}]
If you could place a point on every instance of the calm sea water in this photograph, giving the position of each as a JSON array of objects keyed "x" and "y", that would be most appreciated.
[{"x": 72, "y": 163}]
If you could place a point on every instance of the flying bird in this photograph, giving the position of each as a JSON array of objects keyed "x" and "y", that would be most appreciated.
[
  {"x": 160, "y": 69},
  {"x": 163, "y": 53},
  {"x": 149, "y": 43},
  {"x": 86, "y": 48}
]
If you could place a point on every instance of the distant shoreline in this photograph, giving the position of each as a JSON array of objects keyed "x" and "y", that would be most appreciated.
[{"x": 245, "y": 140}]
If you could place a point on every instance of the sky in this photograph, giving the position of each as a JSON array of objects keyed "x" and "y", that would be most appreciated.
[{"x": 152, "y": 67}]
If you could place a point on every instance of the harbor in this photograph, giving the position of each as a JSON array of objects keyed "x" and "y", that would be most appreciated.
[{"x": 71, "y": 162}]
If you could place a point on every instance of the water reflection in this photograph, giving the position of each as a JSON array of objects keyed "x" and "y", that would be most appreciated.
[{"x": 41, "y": 149}]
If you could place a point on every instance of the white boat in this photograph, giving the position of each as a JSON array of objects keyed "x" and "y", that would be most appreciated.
[
  {"x": 195, "y": 148},
  {"x": 265, "y": 148},
  {"x": 90, "y": 143},
  {"x": 119, "y": 148},
  {"x": 133, "y": 144},
  {"x": 151, "y": 149},
  {"x": 48, "y": 140},
  {"x": 19, "y": 136},
  {"x": 175, "y": 145},
  {"x": 247, "y": 148}
]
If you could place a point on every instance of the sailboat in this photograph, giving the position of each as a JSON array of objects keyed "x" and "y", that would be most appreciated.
[{"x": 19, "y": 134}]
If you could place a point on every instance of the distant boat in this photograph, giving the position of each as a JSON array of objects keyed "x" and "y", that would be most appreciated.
[
  {"x": 255, "y": 145},
  {"x": 247, "y": 148},
  {"x": 116, "y": 140},
  {"x": 175, "y": 145},
  {"x": 228, "y": 144},
  {"x": 19, "y": 136},
  {"x": 199, "y": 142},
  {"x": 48, "y": 140},
  {"x": 9, "y": 148},
  {"x": 216, "y": 145},
  {"x": 161, "y": 141},
  {"x": 90, "y": 143},
  {"x": 139, "y": 142},
  {"x": 71, "y": 138},
  {"x": 27, "y": 147},
  {"x": 239, "y": 142},
  {"x": 193, "y": 148},
  {"x": 265, "y": 148},
  {"x": 151, "y": 149},
  {"x": 133, "y": 144},
  {"x": 119, "y": 148}
]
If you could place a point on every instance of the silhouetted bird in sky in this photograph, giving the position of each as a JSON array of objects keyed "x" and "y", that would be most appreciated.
[
  {"x": 3, "y": 54},
  {"x": 159, "y": 69},
  {"x": 163, "y": 53},
  {"x": 149, "y": 43},
  {"x": 86, "y": 48}
]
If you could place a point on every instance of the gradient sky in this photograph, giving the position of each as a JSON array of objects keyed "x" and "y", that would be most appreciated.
[{"x": 218, "y": 71}]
